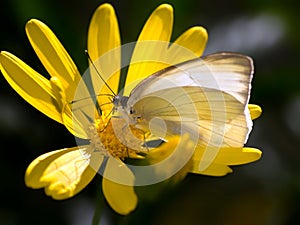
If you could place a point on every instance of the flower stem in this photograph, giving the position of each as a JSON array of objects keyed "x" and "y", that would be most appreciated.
[{"x": 100, "y": 203}]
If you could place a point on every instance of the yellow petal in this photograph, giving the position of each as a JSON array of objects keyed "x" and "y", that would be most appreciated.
[
  {"x": 38, "y": 166},
  {"x": 146, "y": 58},
  {"x": 32, "y": 86},
  {"x": 255, "y": 111},
  {"x": 231, "y": 155},
  {"x": 213, "y": 170},
  {"x": 65, "y": 76},
  {"x": 103, "y": 34},
  {"x": 184, "y": 145},
  {"x": 58, "y": 91},
  {"x": 237, "y": 156},
  {"x": 70, "y": 118},
  {"x": 104, "y": 49},
  {"x": 225, "y": 158},
  {"x": 120, "y": 197},
  {"x": 159, "y": 25},
  {"x": 53, "y": 56},
  {"x": 171, "y": 160},
  {"x": 63, "y": 173},
  {"x": 193, "y": 39},
  {"x": 76, "y": 121},
  {"x": 81, "y": 112},
  {"x": 189, "y": 45}
]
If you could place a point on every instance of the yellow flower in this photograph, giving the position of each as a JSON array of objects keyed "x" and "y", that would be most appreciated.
[{"x": 64, "y": 173}]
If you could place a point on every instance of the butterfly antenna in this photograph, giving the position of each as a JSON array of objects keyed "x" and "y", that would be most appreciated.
[{"x": 86, "y": 52}]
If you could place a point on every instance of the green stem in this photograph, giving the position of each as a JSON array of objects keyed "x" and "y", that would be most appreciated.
[{"x": 100, "y": 203}]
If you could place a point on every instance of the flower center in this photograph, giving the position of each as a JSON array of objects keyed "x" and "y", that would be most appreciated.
[{"x": 117, "y": 138}]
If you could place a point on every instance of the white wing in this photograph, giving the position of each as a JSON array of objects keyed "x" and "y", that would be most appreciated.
[
  {"x": 205, "y": 97},
  {"x": 227, "y": 72}
]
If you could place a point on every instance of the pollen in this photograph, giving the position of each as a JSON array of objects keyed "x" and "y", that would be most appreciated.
[{"x": 118, "y": 139}]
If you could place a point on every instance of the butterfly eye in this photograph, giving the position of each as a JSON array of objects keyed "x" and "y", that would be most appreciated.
[{"x": 131, "y": 111}]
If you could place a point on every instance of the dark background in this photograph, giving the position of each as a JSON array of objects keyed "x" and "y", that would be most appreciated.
[{"x": 265, "y": 192}]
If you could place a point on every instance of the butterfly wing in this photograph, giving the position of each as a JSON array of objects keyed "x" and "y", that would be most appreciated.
[
  {"x": 205, "y": 97},
  {"x": 227, "y": 72}
]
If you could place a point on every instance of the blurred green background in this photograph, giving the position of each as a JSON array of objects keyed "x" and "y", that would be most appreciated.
[{"x": 266, "y": 192}]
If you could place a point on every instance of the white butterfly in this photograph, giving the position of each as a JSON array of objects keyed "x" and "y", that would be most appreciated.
[
  {"x": 216, "y": 87},
  {"x": 205, "y": 98}
]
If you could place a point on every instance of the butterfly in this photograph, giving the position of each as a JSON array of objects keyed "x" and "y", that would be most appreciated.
[{"x": 205, "y": 98}]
